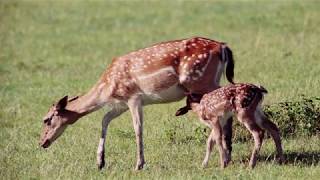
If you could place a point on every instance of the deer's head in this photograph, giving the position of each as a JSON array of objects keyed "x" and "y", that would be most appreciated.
[
  {"x": 191, "y": 98},
  {"x": 56, "y": 121}
]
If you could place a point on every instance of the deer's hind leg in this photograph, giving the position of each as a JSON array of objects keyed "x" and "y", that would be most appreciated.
[
  {"x": 273, "y": 130},
  {"x": 258, "y": 134}
]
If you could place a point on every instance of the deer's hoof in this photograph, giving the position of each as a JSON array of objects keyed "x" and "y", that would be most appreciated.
[
  {"x": 101, "y": 164},
  {"x": 228, "y": 158},
  {"x": 252, "y": 165},
  {"x": 280, "y": 159},
  {"x": 224, "y": 165},
  {"x": 139, "y": 165},
  {"x": 204, "y": 164}
]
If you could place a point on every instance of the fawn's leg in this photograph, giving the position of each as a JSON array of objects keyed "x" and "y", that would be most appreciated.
[
  {"x": 210, "y": 144},
  {"x": 217, "y": 136},
  {"x": 249, "y": 120},
  {"x": 108, "y": 117},
  {"x": 275, "y": 134},
  {"x": 135, "y": 106},
  {"x": 258, "y": 135},
  {"x": 227, "y": 137}
]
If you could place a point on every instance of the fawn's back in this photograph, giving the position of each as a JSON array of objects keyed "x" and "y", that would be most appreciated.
[{"x": 231, "y": 98}]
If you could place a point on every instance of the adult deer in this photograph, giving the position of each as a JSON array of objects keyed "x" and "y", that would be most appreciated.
[{"x": 161, "y": 73}]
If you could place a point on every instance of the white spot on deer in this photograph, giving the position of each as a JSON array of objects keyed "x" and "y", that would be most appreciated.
[
  {"x": 184, "y": 78},
  {"x": 207, "y": 63},
  {"x": 200, "y": 56},
  {"x": 185, "y": 66}
]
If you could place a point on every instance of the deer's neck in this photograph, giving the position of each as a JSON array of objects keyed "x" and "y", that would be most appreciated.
[{"x": 93, "y": 100}]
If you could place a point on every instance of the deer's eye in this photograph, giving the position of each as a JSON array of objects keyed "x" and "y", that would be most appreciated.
[{"x": 47, "y": 121}]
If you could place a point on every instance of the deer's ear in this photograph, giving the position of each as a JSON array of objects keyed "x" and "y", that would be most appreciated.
[
  {"x": 62, "y": 103},
  {"x": 182, "y": 111}
]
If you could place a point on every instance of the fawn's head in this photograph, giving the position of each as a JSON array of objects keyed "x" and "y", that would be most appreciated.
[
  {"x": 56, "y": 121},
  {"x": 191, "y": 98}
]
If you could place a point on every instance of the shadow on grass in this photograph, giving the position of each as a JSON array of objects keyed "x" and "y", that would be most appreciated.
[{"x": 293, "y": 158}]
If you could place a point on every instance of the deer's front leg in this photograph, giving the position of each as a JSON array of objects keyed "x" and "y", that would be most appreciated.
[
  {"x": 108, "y": 117},
  {"x": 217, "y": 136},
  {"x": 135, "y": 106}
]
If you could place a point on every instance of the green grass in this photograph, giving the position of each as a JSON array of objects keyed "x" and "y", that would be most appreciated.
[{"x": 53, "y": 48}]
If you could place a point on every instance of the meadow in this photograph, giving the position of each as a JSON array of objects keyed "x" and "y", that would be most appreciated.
[{"x": 49, "y": 49}]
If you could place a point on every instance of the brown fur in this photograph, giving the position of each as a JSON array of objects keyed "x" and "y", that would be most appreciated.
[
  {"x": 244, "y": 101},
  {"x": 161, "y": 73}
]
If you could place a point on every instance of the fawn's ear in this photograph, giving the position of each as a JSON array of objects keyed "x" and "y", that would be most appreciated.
[
  {"x": 73, "y": 98},
  {"x": 182, "y": 111},
  {"x": 62, "y": 103}
]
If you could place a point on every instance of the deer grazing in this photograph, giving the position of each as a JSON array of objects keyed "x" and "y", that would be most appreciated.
[
  {"x": 243, "y": 100},
  {"x": 161, "y": 73}
]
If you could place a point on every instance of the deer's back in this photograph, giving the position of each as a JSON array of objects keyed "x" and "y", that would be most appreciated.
[
  {"x": 230, "y": 98},
  {"x": 155, "y": 71}
]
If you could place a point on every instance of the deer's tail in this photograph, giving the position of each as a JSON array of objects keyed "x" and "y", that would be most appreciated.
[
  {"x": 262, "y": 89},
  {"x": 227, "y": 57}
]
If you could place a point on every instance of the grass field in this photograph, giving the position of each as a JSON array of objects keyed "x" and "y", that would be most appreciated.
[{"x": 53, "y": 48}]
